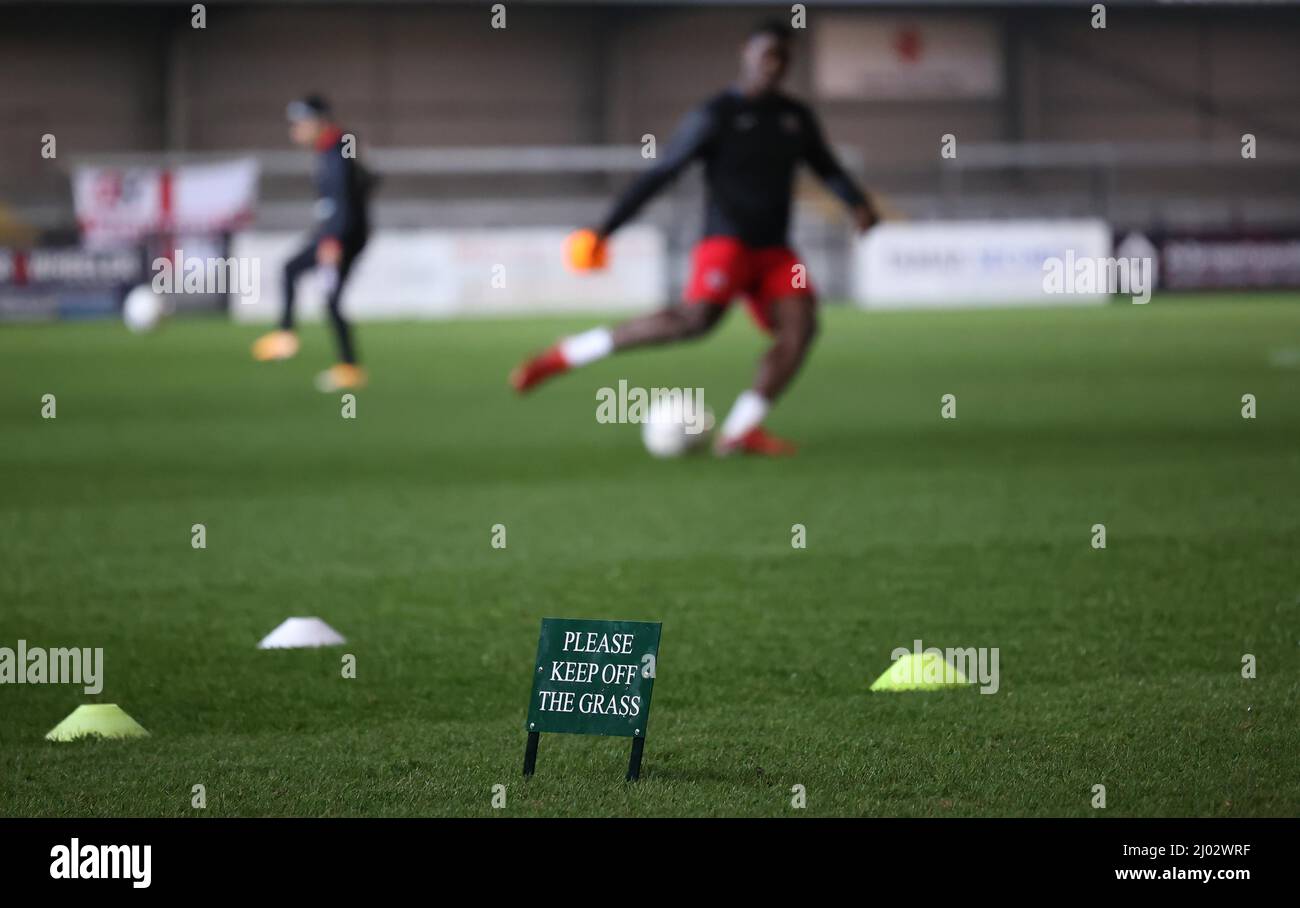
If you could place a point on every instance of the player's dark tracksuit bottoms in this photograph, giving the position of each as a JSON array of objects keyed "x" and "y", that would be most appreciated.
[{"x": 341, "y": 208}]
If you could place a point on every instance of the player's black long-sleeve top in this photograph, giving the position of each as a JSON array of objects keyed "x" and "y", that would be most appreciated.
[
  {"x": 341, "y": 193},
  {"x": 750, "y": 148}
]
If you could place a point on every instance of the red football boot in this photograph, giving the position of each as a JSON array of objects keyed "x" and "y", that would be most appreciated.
[
  {"x": 547, "y": 364},
  {"x": 755, "y": 441}
]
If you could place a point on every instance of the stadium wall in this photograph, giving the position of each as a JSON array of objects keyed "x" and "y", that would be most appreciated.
[
  {"x": 117, "y": 78},
  {"x": 137, "y": 78}
]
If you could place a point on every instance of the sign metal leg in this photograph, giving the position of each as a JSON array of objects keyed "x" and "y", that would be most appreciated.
[
  {"x": 634, "y": 764},
  {"x": 530, "y": 753}
]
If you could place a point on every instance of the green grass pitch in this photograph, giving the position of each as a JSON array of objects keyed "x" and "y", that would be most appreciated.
[{"x": 1119, "y": 667}]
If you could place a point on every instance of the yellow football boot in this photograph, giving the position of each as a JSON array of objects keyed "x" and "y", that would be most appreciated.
[
  {"x": 342, "y": 377},
  {"x": 275, "y": 346}
]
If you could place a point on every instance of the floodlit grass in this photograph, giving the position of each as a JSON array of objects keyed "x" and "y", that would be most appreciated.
[{"x": 1119, "y": 667}]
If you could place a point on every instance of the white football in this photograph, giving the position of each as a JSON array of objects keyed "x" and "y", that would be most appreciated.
[
  {"x": 143, "y": 309},
  {"x": 672, "y": 427}
]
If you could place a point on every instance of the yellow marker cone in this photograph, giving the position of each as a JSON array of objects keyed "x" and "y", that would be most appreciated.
[
  {"x": 107, "y": 720},
  {"x": 920, "y": 671}
]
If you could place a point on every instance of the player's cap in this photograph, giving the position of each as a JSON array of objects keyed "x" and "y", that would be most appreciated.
[{"x": 311, "y": 107}]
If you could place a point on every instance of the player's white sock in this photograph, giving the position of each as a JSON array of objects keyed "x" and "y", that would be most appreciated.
[
  {"x": 748, "y": 411},
  {"x": 587, "y": 347}
]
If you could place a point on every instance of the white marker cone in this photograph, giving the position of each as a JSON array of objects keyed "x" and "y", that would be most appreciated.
[{"x": 301, "y": 633}]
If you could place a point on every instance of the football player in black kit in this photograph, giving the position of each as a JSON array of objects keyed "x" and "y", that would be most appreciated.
[
  {"x": 342, "y": 228},
  {"x": 750, "y": 140}
]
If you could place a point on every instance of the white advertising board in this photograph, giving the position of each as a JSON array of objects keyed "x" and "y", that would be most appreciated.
[
  {"x": 417, "y": 274},
  {"x": 953, "y": 264}
]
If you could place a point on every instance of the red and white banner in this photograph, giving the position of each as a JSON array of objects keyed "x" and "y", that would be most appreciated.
[
  {"x": 898, "y": 56},
  {"x": 120, "y": 205}
]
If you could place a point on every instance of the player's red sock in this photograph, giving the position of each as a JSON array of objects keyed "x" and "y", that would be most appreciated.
[{"x": 548, "y": 363}]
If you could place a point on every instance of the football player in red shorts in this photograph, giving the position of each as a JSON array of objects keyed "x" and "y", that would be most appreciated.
[{"x": 750, "y": 139}]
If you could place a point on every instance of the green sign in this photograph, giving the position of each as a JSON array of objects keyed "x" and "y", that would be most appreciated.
[{"x": 594, "y": 677}]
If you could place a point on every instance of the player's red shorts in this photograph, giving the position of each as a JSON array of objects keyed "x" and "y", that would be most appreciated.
[{"x": 722, "y": 268}]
